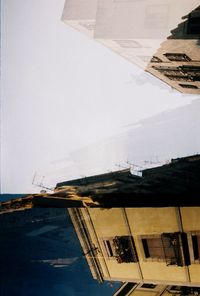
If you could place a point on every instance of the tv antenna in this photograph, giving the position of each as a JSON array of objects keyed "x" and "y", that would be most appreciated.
[
  {"x": 134, "y": 165},
  {"x": 121, "y": 166},
  {"x": 40, "y": 183},
  {"x": 151, "y": 161}
]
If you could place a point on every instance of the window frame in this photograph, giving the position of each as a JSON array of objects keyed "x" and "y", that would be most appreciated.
[
  {"x": 149, "y": 259},
  {"x": 191, "y": 247}
]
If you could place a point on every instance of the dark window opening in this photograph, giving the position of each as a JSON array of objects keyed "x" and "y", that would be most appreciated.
[
  {"x": 183, "y": 78},
  {"x": 180, "y": 73},
  {"x": 189, "y": 86},
  {"x": 153, "y": 248},
  {"x": 185, "y": 291},
  {"x": 177, "y": 57},
  {"x": 121, "y": 248},
  {"x": 145, "y": 247},
  {"x": 196, "y": 246},
  {"x": 175, "y": 288},
  {"x": 179, "y": 78},
  {"x": 125, "y": 249},
  {"x": 109, "y": 248},
  {"x": 155, "y": 60},
  {"x": 126, "y": 289},
  {"x": 148, "y": 286},
  {"x": 169, "y": 70},
  {"x": 180, "y": 70},
  {"x": 191, "y": 70}
]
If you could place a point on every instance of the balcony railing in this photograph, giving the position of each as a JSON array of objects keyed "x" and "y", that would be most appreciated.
[
  {"x": 125, "y": 249},
  {"x": 176, "y": 248}
]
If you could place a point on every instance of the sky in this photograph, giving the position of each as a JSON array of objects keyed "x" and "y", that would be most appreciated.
[
  {"x": 151, "y": 142},
  {"x": 62, "y": 91}
]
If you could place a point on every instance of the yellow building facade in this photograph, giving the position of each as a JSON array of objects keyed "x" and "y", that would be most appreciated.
[
  {"x": 133, "y": 289},
  {"x": 141, "y": 245}
]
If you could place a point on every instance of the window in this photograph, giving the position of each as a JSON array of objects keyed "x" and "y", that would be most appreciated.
[
  {"x": 183, "y": 290},
  {"x": 153, "y": 248},
  {"x": 177, "y": 57},
  {"x": 128, "y": 43},
  {"x": 125, "y": 290},
  {"x": 196, "y": 246},
  {"x": 180, "y": 73},
  {"x": 188, "y": 86},
  {"x": 191, "y": 70},
  {"x": 169, "y": 70},
  {"x": 169, "y": 247},
  {"x": 189, "y": 78},
  {"x": 110, "y": 247},
  {"x": 121, "y": 248},
  {"x": 175, "y": 289},
  {"x": 156, "y": 60},
  {"x": 148, "y": 286},
  {"x": 179, "y": 77}
]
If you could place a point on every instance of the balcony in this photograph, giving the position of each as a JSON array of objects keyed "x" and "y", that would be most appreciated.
[
  {"x": 176, "y": 249},
  {"x": 125, "y": 249}
]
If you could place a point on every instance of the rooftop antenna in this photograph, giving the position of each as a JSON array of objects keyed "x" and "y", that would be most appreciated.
[
  {"x": 134, "y": 165},
  {"x": 134, "y": 171},
  {"x": 156, "y": 161},
  {"x": 40, "y": 184},
  {"x": 121, "y": 166}
]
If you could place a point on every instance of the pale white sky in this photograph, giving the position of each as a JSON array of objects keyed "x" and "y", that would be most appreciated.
[{"x": 62, "y": 91}]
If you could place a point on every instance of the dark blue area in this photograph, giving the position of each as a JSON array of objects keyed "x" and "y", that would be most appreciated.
[
  {"x": 31, "y": 242},
  {"x": 8, "y": 196}
]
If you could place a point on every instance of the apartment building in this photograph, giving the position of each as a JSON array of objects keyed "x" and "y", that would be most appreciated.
[
  {"x": 177, "y": 61},
  {"x": 156, "y": 246},
  {"x": 136, "y": 29}
]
